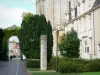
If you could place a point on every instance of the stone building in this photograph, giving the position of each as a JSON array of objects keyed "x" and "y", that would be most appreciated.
[
  {"x": 83, "y": 16},
  {"x": 54, "y": 10}
]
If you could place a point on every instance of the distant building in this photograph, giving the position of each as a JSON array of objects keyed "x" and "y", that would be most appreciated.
[{"x": 14, "y": 48}]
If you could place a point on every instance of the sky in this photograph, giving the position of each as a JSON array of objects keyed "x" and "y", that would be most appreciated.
[
  {"x": 11, "y": 11},
  {"x": 14, "y": 38}
]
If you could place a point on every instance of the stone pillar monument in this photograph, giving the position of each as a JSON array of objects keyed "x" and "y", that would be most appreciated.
[
  {"x": 43, "y": 58},
  {"x": 55, "y": 43}
]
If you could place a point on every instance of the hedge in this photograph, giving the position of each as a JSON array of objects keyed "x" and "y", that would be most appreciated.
[
  {"x": 33, "y": 63},
  {"x": 75, "y": 65}
]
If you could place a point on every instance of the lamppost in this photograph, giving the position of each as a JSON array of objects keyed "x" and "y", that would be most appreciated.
[{"x": 57, "y": 33}]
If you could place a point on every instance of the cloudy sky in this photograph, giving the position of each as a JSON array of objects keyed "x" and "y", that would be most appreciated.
[{"x": 11, "y": 11}]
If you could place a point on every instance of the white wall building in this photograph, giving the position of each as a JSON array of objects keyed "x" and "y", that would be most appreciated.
[{"x": 83, "y": 16}]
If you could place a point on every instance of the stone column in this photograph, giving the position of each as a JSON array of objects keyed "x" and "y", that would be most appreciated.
[
  {"x": 43, "y": 61},
  {"x": 55, "y": 43}
]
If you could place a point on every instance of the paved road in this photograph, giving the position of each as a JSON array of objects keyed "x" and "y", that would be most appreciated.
[{"x": 14, "y": 67}]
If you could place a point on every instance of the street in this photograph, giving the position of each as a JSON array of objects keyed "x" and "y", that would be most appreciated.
[{"x": 13, "y": 67}]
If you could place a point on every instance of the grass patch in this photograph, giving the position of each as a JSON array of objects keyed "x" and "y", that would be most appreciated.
[{"x": 54, "y": 73}]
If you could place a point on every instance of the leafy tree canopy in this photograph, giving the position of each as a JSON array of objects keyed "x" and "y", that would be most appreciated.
[
  {"x": 32, "y": 27},
  {"x": 70, "y": 44}
]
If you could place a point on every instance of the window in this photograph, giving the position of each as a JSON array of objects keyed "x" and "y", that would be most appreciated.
[
  {"x": 99, "y": 46},
  {"x": 99, "y": 49},
  {"x": 86, "y": 47},
  {"x": 70, "y": 15},
  {"x": 75, "y": 11},
  {"x": 85, "y": 50},
  {"x": 83, "y": 3},
  {"x": 85, "y": 42}
]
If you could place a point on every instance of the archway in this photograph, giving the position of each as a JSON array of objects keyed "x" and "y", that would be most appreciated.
[
  {"x": 14, "y": 48},
  {"x": 7, "y": 34}
]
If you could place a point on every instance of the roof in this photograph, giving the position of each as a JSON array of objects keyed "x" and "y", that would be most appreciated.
[{"x": 96, "y": 3}]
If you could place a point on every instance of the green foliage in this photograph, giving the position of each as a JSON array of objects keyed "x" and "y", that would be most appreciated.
[
  {"x": 26, "y": 16},
  {"x": 49, "y": 41},
  {"x": 43, "y": 25},
  {"x": 70, "y": 44},
  {"x": 33, "y": 63},
  {"x": 78, "y": 66},
  {"x": 1, "y": 40},
  {"x": 68, "y": 67},
  {"x": 7, "y": 35},
  {"x": 28, "y": 37},
  {"x": 56, "y": 73},
  {"x": 94, "y": 66},
  {"x": 52, "y": 63},
  {"x": 32, "y": 27}
]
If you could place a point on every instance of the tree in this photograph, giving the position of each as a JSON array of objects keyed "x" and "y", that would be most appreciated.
[
  {"x": 70, "y": 44},
  {"x": 32, "y": 27},
  {"x": 46, "y": 29},
  {"x": 1, "y": 38},
  {"x": 49, "y": 41},
  {"x": 28, "y": 36},
  {"x": 1, "y": 41}
]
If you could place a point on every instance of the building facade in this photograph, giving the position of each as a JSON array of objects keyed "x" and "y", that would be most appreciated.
[
  {"x": 83, "y": 16},
  {"x": 54, "y": 10},
  {"x": 14, "y": 48}
]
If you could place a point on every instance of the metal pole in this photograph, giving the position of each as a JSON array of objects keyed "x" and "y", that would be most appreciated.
[{"x": 57, "y": 52}]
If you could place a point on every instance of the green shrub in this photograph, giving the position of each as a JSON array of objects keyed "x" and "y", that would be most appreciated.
[
  {"x": 82, "y": 67},
  {"x": 67, "y": 67},
  {"x": 94, "y": 66},
  {"x": 33, "y": 63},
  {"x": 32, "y": 27},
  {"x": 52, "y": 63},
  {"x": 78, "y": 65},
  {"x": 69, "y": 45}
]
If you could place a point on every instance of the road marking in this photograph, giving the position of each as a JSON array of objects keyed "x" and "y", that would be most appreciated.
[{"x": 17, "y": 68}]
